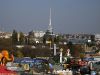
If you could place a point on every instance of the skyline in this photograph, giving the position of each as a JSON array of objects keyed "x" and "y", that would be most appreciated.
[{"x": 68, "y": 16}]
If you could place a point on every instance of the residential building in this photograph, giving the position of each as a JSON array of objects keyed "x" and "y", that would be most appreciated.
[
  {"x": 5, "y": 35},
  {"x": 97, "y": 37}
]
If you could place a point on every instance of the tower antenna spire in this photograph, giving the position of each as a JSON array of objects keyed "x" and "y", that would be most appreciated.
[
  {"x": 50, "y": 27},
  {"x": 50, "y": 18}
]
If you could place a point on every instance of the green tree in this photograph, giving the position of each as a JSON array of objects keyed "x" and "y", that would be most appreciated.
[
  {"x": 14, "y": 37},
  {"x": 30, "y": 40},
  {"x": 57, "y": 39},
  {"x": 21, "y": 38},
  {"x": 44, "y": 39},
  {"x": 71, "y": 47},
  {"x": 92, "y": 38}
]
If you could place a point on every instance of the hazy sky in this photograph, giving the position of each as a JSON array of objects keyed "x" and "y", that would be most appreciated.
[{"x": 68, "y": 16}]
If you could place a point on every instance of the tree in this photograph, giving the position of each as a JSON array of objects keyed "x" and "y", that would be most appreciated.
[
  {"x": 71, "y": 47},
  {"x": 14, "y": 37},
  {"x": 44, "y": 39},
  {"x": 57, "y": 39},
  {"x": 21, "y": 38},
  {"x": 92, "y": 38},
  {"x": 56, "y": 58},
  {"x": 31, "y": 38}
]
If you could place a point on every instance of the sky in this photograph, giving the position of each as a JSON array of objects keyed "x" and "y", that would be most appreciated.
[{"x": 68, "y": 16}]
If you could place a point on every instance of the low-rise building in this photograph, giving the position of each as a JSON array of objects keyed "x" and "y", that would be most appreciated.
[
  {"x": 5, "y": 35},
  {"x": 36, "y": 36},
  {"x": 38, "y": 33},
  {"x": 97, "y": 37}
]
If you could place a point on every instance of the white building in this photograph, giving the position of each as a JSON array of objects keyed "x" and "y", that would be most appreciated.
[
  {"x": 39, "y": 33},
  {"x": 8, "y": 35},
  {"x": 97, "y": 37},
  {"x": 5, "y": 35}
]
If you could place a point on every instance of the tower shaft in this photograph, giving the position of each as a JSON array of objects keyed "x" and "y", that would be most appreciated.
[{"x": 50, "y": 27}]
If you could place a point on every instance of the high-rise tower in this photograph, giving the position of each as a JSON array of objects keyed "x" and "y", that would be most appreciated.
[{"x": 50, "y": 27}]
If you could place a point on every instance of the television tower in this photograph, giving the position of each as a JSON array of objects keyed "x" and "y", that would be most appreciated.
[{"x": 50, "y": 27}]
